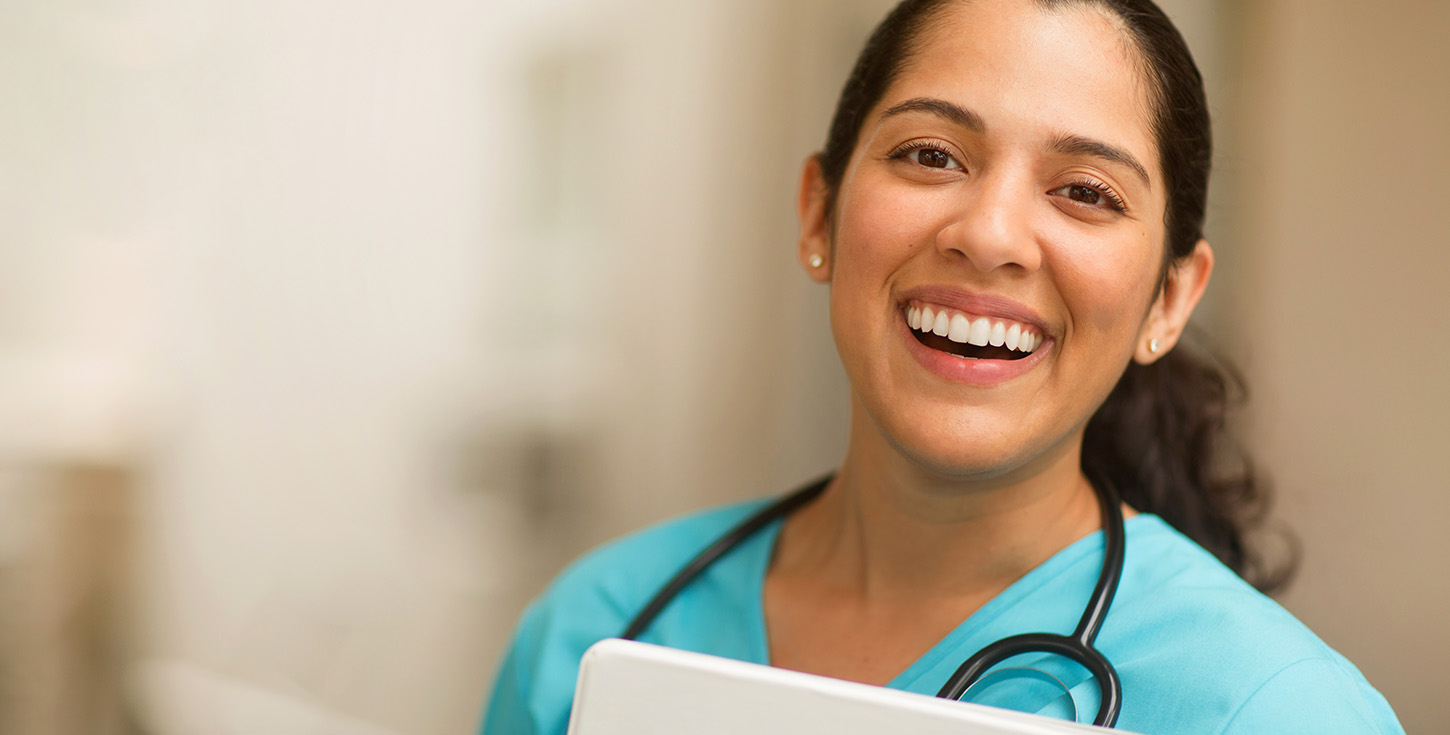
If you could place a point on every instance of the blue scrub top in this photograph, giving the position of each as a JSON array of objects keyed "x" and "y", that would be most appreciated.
[{"x": 1198, "y": 650}]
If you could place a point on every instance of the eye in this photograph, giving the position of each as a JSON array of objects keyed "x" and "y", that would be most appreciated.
[
  {"x": 932, "y": 158},
  {"x": 1080, "y": 193},
  {"x": 1093, "y": 194},
  {"x": 927, "y": 154}
]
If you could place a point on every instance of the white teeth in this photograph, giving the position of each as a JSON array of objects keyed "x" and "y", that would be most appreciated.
[
  {"x": 942, "y": 325},
  {"x": 961, "y": 327},
  {"x": 981, "y": 332}
]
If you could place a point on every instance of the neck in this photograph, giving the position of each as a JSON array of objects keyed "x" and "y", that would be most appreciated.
[{"x": 891, "y": 531}]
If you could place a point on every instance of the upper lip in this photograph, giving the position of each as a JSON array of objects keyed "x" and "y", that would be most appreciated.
[{"x": 978, "y": 304}]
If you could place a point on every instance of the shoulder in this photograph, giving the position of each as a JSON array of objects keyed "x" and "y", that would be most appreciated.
[
  {"x": 1175, "y": 591},
  {"x": 593, "y": 599},
  {"x": 620, "y": 577},
  {"x": 1209, "y": 653}
]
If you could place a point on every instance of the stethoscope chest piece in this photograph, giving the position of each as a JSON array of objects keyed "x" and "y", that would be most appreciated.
[{"x": 1054, "y": 696}]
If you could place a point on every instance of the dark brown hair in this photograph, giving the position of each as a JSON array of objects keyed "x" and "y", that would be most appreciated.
[{"x": 1159, "y": 437}]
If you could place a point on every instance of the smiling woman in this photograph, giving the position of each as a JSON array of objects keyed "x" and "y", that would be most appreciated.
[{"x": 1008, "y": 213}]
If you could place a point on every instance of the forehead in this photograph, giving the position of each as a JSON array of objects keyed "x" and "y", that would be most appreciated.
[{"x": 1032, "y": 70}]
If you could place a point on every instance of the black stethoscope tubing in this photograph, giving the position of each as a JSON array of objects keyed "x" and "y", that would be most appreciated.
[{"x": 1077, "y": 647}]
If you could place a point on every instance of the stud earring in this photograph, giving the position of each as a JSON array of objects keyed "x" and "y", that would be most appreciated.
[
  {"x": 817, "y": 261},
  {"x": 1153, "y": 345}
]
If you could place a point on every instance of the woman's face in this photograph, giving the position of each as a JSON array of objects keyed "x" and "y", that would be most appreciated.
[{"x": 1005, "y": 191}]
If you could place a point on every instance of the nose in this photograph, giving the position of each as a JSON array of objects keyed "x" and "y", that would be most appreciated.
[{"x": 990, "y": 226}]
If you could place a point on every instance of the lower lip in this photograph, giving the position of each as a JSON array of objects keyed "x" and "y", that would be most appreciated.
[{"x": 965, "y": 369}]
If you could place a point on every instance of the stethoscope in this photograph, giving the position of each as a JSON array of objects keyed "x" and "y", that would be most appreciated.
[{"x": 1077, "y": 647}]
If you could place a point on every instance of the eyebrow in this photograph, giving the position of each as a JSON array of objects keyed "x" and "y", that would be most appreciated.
[
  {"x": 1066, "y": 144},
  {"x": 941, "y": 108},
  {"x": 1076, "y": 145}
]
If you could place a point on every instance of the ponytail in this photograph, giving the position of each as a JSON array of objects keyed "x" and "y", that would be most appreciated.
[{"x": 1160, "y": 439}]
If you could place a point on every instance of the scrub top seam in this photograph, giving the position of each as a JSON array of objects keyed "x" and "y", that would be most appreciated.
[
  {"x": 764, "y": 552},
  {"x": 1228, "y": 724}
]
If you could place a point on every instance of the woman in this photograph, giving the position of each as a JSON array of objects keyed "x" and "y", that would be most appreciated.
[{"x": 1008, "y": 212}]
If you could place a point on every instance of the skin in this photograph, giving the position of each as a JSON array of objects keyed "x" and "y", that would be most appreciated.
[{"x": 937, "y": 469}]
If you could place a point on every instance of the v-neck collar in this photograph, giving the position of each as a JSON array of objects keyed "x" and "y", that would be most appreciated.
[{"x": 760, "y": 553}]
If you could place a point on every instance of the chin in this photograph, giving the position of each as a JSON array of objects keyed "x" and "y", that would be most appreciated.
[
  {"x": 971, "y": 454},
  {"x": 965, "y": 466}
]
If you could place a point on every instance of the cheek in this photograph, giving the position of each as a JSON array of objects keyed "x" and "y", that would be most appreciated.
[
  {"x": 879, "y": 224},
  {"x": 1109, "y": 285}
]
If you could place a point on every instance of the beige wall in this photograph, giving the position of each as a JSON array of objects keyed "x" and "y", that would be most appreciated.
[
  {"x": 1344, "y": 200},
  {"x": 399, "y": 307}
]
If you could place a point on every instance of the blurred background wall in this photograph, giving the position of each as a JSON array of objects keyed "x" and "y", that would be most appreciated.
[{"x": 330, "y": 330}]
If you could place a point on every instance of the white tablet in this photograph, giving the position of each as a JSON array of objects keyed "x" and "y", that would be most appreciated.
[{"x": 628, "y": 688}]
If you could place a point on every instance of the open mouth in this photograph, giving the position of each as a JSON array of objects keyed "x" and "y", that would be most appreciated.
[{"x": 969, "y": 337}]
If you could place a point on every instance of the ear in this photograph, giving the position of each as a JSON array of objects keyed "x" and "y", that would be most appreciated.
[
  {"x": 815, "y": 237},
  {"x": 1175, "y": 303}
]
